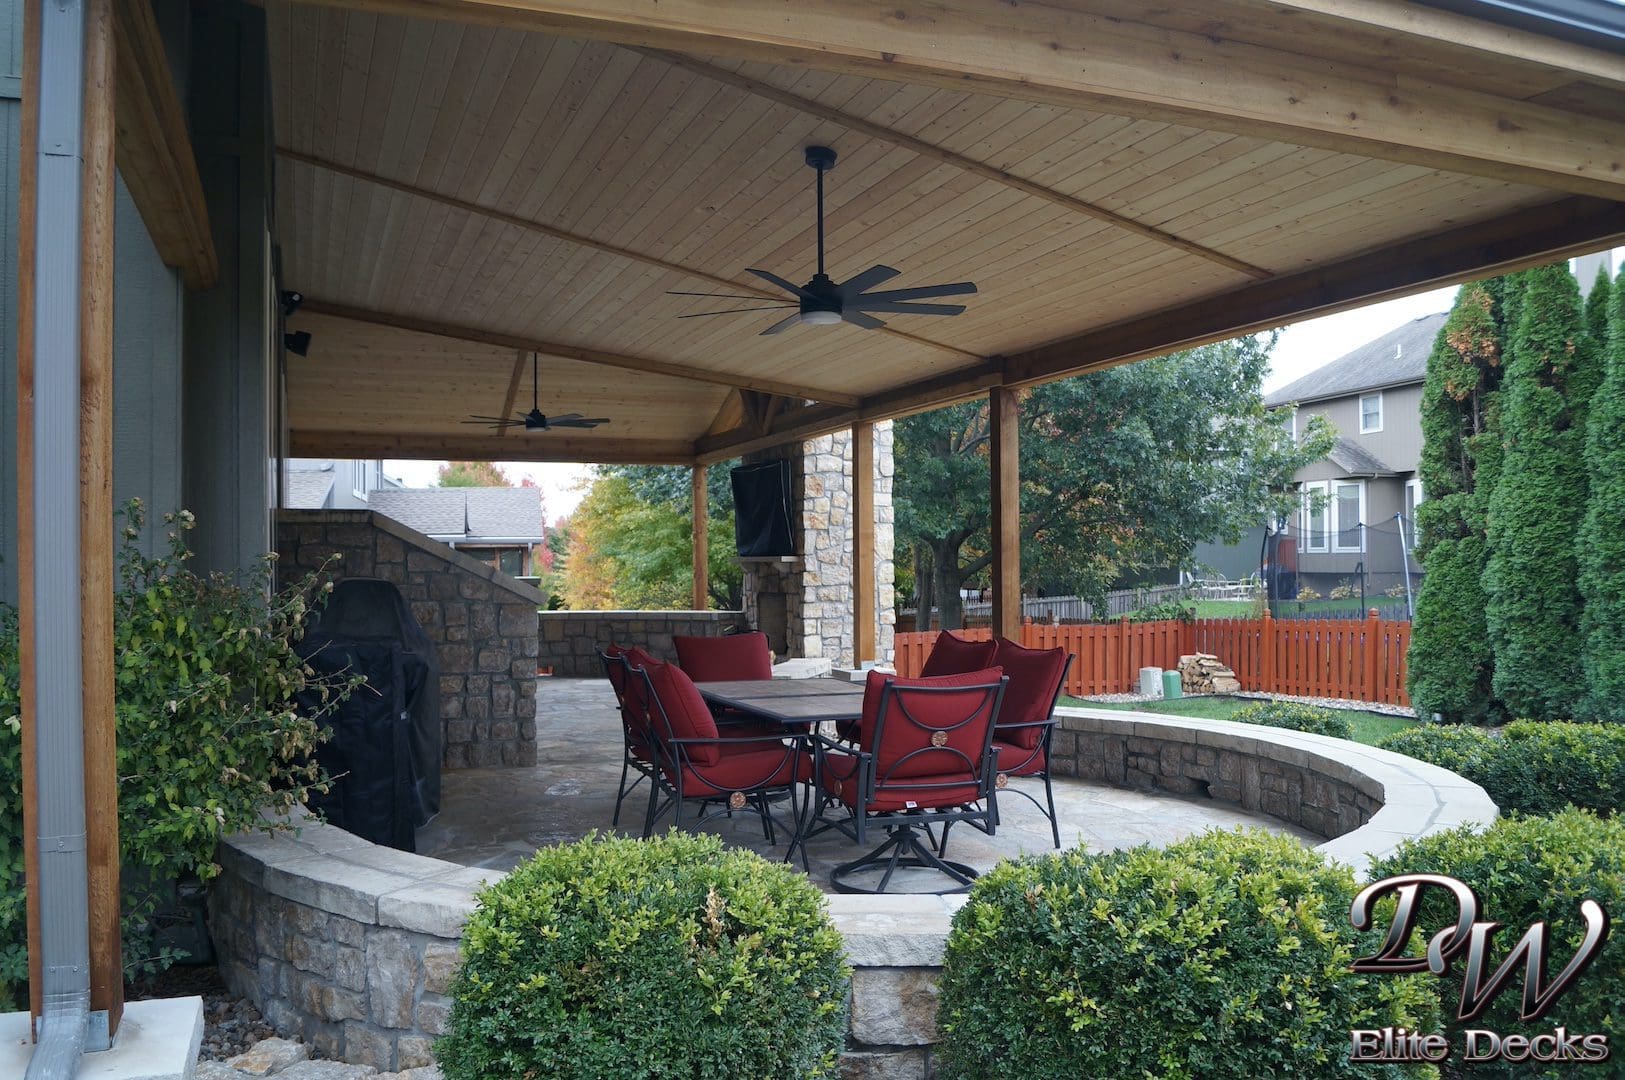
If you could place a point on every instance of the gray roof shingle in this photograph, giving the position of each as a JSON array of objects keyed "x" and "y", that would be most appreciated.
[
  {"x": 513, "y": 512},
  {"x": 431, "y": 511},
  {"x": 1355, "y": 460},
  {"x": 307, "y": 489},
  {"x": 1398, "y": 357},
  {"x": 465, "y": 513}
]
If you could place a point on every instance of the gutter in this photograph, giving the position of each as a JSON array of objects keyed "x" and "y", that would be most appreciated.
[{"x": 58, "y": 659}]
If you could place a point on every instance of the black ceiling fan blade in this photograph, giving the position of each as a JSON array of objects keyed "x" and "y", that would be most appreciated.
[
  {"x": 582, "y": 423},
  {"x": 717, "y": 295},
  {"x": 924, "y": 292},
  {"x": 793, "y": 290},
  {"x": 735, "y": 311},
  {"x": 858, "y": 318},
  {"x": 493, "y": 421},
  {"x": 782, "y": 325},
  {"x": 875, "y": 275},
  {"x": 892, "y": 307}
]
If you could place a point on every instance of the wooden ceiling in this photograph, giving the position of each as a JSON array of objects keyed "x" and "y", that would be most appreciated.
[{"x": 461, "y": 181}]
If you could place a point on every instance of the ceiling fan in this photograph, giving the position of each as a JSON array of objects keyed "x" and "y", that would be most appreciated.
[
  {"x": 535, "y": 420},
  {"x": 822, "y": 302}
]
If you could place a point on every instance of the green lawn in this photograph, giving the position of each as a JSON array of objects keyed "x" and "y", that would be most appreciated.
[{"x": 1369, "y": 728}]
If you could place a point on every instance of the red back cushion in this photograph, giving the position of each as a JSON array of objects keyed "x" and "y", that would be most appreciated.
[
  {"x": 689, "y": 715},
  {"x": 637, "y": 704},
  {"x": 912, "y": 720},
  {"x": 614, "y": 669},
  {"x": 954, "y": 655},
  {"x": 723, "y": 659},
  {"x": 1035, "y": 677}
]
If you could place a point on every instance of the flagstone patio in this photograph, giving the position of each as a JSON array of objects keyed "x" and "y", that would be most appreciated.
[{"x": 497, "y": 817}]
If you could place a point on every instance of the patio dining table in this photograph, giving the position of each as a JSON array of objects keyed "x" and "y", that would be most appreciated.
[{"x": 791, "y": 702}]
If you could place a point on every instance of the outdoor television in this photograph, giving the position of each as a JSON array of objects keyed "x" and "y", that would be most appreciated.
[{"x": 762, "y": 509}]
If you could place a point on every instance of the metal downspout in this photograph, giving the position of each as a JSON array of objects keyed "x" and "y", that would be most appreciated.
[{"x": 58, "y": 661}]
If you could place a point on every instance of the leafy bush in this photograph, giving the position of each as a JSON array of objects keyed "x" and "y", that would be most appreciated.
[
  {"x": 671, "y": 957},
  {"x": 1223, "y": 956},
  {"x": 1306, "y": 594},
  {"x": 1297, "y": 717},
  {"x": 1529, "y": 766},
  {"x": 1172, "y": 609},
  {"x": 207, "y": 733},
  {"x": 1525, "y": 870},
  {"x": 1344, "y": 590}
]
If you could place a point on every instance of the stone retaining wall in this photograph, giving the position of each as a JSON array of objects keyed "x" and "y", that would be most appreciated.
[
  {"x": 351, "y": 946},
  {"x": 482, "y": 623},
  {"x": 571, "y": 639}
]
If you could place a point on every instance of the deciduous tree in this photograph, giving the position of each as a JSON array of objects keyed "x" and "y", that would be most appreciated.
[{"x": 472, "y": 474}]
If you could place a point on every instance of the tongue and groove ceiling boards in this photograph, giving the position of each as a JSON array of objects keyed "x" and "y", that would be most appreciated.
[{"x": 464, "y": 181}]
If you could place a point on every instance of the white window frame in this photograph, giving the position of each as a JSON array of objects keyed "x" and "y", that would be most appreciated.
[
  {"x": 1415, "y": 495},
  {"x": 361, "y": 471},
  {"x": 1377, "y": 427},
  {"x": 1310, "y": 489},
  {"x": 1334, "y": 503}
]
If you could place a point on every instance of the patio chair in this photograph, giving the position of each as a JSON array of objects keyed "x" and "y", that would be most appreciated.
[
  {"x": 1021, "y": 740},
  {"x": 637, "y": 743},
  {"x": 954, "y": 655},
  {"x": 698, "y": 764},
  {"x": 727, "y": 658},
  {"x": 924, "y": 758}
]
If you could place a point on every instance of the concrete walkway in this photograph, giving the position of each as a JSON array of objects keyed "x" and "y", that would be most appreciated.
[{"x": 497, "y": 818}]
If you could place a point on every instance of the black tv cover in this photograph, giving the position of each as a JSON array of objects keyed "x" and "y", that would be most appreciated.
[{"x": 762, "y": 509}]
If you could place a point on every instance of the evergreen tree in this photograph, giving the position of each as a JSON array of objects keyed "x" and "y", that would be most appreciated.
[
  {"x": 1598, "y": 302},
  {"x": 1450, "y": 660},
  {"x": 1535, "y": 512},
  {"x": 1601, "y": 546}
]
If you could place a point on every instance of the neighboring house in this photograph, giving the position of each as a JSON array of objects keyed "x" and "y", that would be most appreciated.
[
  {"x": 317, "y": 484},
  {"x": 498, "y": 526}
]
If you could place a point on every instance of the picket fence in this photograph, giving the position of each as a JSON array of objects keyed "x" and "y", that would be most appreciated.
[{"x": 1355, "y": 660}]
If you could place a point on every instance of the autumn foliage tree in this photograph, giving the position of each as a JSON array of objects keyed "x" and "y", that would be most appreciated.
[{"x": 472, "y": 474}]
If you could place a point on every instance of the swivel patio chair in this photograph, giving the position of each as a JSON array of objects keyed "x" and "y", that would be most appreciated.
[
  {"x": 1026, "y": 727},
  {"x": 954, "y": 655},
  {"x": 698, "y": 765},
  {"x": 924, "y": 758}
]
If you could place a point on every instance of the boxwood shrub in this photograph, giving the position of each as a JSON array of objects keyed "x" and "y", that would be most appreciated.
[
  {"x": 1529, "y": 766},
  {"x": 1524, "y": 870},
  {"x": 672, "y": 957},
  {"x": 1225, "y": 957},
  {"x": 1298, "y": 717}
]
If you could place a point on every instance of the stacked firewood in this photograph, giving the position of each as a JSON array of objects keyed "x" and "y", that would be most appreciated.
[{"x": 1204, "y": 673}]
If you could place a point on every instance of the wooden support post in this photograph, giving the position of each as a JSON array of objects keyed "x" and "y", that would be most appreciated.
[
  {"x": 1266, "y": 655},
  {"x": 1004, "y": 419},
  {"x": 1373, "y": 654},
  {"x": 865, "y": 614},
  {"x": 702, "y": 551}
]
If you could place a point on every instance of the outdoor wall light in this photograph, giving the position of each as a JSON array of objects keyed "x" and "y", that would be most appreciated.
[
  {"x": 291, "y": 301},
  {"x": 297, "y": 343}
]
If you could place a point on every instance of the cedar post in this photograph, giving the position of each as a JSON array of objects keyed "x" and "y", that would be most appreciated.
[
  {"x": 1125, "y": 661},
  {"x": 865, "y": 615},
  {"x": 1266, "y": 654},
  {"x": 1004, "y": 432},
  {"x": 702, "y": 555},
  {"x": 1373, "y": 651}
]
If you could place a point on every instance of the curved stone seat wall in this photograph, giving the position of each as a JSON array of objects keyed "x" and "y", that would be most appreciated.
[{"x": 351, "y": 947}]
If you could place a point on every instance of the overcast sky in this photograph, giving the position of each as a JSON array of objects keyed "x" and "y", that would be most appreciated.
[{"x": 1303, "y": 347}]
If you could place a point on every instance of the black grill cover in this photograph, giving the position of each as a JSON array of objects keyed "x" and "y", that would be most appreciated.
[{"x": 385, "y": 743}]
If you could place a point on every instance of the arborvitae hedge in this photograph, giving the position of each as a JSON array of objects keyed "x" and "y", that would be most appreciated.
[
  {"x": 1450, "y": 660},
  {"x": 1598, "y": 302},
  {"x": 1601, "y": 544},
  {"x": 1536, "y": 509}
]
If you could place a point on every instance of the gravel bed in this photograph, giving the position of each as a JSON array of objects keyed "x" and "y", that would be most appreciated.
[{"x": 1328, "y": 703}]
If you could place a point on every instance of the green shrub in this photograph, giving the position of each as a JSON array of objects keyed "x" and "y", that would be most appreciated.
[
  {"x": 1529, "y": 766},
  {"x": 672, "y": 957},
  {"x": 1451, "y": 667},
  {"x": 1223, "y": 956},
  {"x": 1525, "y": 870},
  {"x": 1601, "y": 543},
  {"x": 207, "y": 733},
  {"x": 1297, "y": 717}
]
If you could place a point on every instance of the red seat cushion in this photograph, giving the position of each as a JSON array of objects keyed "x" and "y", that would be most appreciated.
[
  {"x": 951, "y": 655},
  {"x": 724, "y": 659},
  {"x": 745, "y": 767},
  {"x": 686, "y": 710},
  {"x": 840, "y": 780},
  {"x": 1035, "y": 679},
  {"x": 1019, "y": 760},
  {"x": 906, "y": 748}
]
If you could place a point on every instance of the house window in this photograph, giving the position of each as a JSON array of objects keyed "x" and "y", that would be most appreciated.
[
  {"x": 511, "y": 561},
  {"x": 366, "y": 475},
  {"x": 1348, "y": 515},
  {"x": 1413, "y": 499},
  {"x": 1370, "y": 413},
  {"x": 1315, "y": 509}
]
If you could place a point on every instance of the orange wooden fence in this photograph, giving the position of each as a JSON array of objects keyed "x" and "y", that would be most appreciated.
[{"x": 1357, "y": 660}]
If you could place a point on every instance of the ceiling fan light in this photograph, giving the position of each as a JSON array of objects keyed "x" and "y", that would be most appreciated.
[{"x": 820, "y": 318}]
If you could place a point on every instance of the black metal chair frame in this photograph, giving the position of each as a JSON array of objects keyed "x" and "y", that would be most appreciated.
[
  {"x": 1049, "y": 724},
  {"x": 638, "y": 768},
  {"x": 673, "y": 757},
  {"x": 902, "y": 847}
]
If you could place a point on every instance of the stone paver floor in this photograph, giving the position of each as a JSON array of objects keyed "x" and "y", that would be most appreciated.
[{"x": 498, "y": 817}]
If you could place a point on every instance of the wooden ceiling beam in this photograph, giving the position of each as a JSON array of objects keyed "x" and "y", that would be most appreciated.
[
  {"x": 930, "y": 150},
  {"x": 565, "y": 236},
  {"x": 647, "y": 365},
  {"x": 1076, "y": 58},
  {"x": 512, "y": 397},
  {"x": 547, "y": 446},
  {"x": 154, "y": 151}
]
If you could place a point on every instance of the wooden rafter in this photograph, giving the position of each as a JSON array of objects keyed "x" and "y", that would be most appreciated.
[
  {"x": 645, "y": 364},
  {"x": 949, "y": 157},
  {"x": 520, "y": 363},
  {"x": 547, "y": 446},
  {"x": 1077, "y": 58},
  {"x": 574, "y": 238}
]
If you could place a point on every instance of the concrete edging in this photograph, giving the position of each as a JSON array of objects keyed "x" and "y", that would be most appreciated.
[{"x": 351, "y": 947}]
